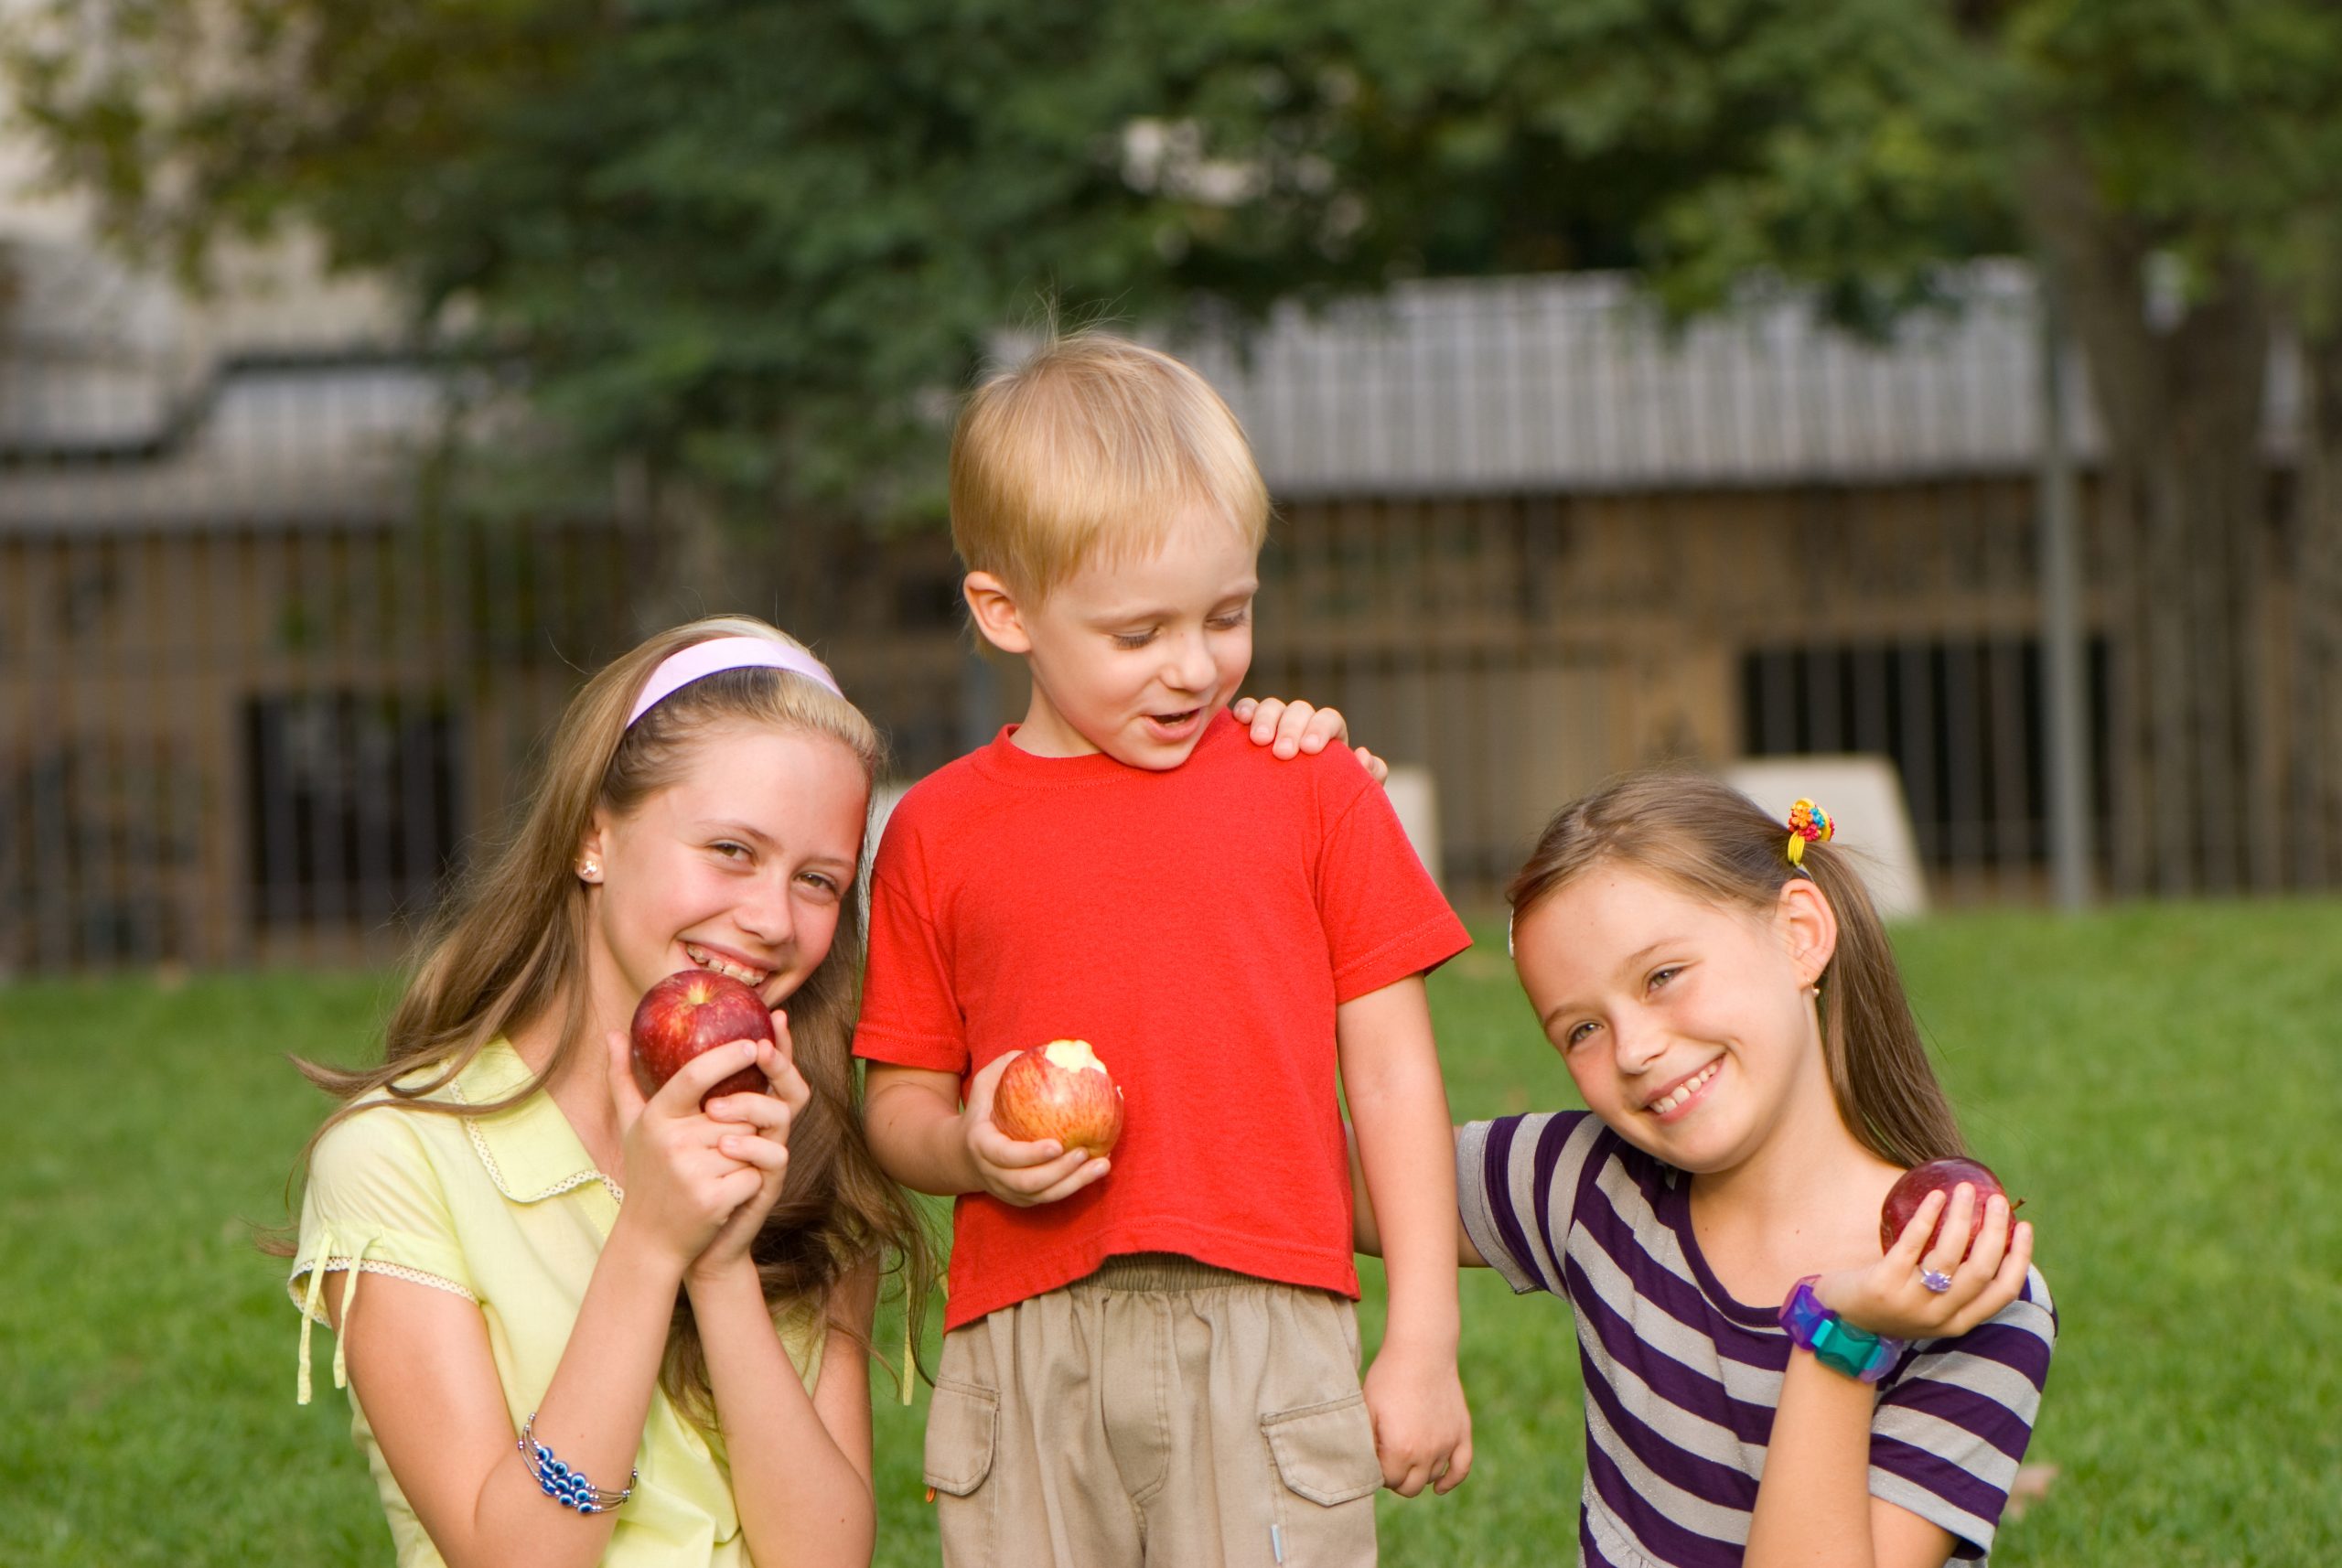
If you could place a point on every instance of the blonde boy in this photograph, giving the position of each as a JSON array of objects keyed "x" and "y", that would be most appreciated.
[{"x": 1153, "y": 1356}]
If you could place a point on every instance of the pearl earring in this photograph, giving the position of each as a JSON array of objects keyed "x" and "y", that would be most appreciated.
[{"x": 590, "y": 871}]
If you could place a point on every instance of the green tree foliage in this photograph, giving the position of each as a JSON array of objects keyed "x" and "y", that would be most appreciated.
[
  {"x": 1700, "y": 143},
  {"x": 749, "y": 239},
  {"x": 752, "y": 238}
]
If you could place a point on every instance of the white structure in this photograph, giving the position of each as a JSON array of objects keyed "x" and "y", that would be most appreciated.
[
  {"x": 150, "y": 407},
  {"x": 1865, "y": 800}
]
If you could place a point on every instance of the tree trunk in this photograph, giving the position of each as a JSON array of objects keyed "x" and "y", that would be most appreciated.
[
  {"x": 2313, "y": 757},
  {"x": 2178, "y": 388},
  {"x": 683, "y": 562}
]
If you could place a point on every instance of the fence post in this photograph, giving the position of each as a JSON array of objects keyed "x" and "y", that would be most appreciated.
[{"x": 2063, "y": 649}]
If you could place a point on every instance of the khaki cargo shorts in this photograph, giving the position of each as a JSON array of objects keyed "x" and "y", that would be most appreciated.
[{"x": 1160, "y": 1412}]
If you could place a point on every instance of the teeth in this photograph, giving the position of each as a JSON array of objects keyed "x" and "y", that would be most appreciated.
[
  {"x": 707, "y": 959},
  {"x": 1684, "y": 1091}
]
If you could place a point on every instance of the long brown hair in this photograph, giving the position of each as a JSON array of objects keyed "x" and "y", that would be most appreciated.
[
  {"x": 1707, "y": 840},
  {"x": 507, "y": 951}
]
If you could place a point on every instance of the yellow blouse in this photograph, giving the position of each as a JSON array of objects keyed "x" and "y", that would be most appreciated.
[{"x": 509, "y": 1213}]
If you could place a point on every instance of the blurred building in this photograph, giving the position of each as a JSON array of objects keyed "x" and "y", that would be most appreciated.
[{"x": 256, "y": 692}]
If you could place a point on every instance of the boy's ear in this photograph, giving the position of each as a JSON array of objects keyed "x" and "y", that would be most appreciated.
[
  {"x": 1809, "y": 925},
  {"x": 995, "y": 610}
]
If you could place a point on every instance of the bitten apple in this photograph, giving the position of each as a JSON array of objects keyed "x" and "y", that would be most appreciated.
[
  {"x": 1903, "y": 1198},
  {"x": 1059, "y": 1091},
  {"x": 694, "y": 1010}
]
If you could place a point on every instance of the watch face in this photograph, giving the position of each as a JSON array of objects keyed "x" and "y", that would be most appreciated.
[{"x": 1846, "y": 1349}]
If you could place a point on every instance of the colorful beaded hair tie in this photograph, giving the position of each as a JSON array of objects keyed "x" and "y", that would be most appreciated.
[{"x": 1808, "y": 823}]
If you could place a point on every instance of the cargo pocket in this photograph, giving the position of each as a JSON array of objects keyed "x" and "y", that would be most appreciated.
[
  {"x": 962, "y": 1427},
  {"x": 1325, "y": 1458}
]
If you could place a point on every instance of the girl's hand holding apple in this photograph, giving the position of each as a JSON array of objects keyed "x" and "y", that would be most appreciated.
[
  {"x": 757, "y": 1132},
  {"x": 1892, "y": 1297},
  {"x": 681, "y": 1184}
]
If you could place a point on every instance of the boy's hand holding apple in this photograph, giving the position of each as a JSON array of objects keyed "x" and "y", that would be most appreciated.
[{"x": 1019, "y": 1171}]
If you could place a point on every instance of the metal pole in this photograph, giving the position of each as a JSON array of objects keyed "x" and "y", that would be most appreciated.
[{"x": 2063, "y": 649}]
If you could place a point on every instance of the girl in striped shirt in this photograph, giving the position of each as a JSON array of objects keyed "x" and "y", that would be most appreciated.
[{"x": 1762, "y": 1386}]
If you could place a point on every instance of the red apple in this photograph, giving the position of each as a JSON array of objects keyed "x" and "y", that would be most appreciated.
[
  {"x": 1903, "y": 1198},
  {"x": 694, "y": 1010},
  {"x": 1059, "y": 1091}
]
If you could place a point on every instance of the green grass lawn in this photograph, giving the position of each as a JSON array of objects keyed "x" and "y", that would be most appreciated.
[{"x": 2164, "y": 1086}]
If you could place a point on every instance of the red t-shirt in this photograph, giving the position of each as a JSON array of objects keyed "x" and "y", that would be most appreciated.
[{"x": 1198, "y": 927}]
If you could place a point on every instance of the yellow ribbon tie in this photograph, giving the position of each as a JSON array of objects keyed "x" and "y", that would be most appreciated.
[
  {"x": 349, "y": 1290},
  {"x": 314, "y": 1293},
  {"x": 302, "y": 1385},
  {"x": 903, "y": 1374}
]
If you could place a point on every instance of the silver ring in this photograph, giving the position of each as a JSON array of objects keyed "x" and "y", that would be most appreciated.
[{"x": 1935, "y": 1280}]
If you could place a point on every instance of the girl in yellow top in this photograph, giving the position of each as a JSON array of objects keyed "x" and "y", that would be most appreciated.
[{"x": 687, "y": 1369}]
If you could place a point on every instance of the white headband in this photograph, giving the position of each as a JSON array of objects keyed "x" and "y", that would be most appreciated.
[{"x": 712, "y": 657}]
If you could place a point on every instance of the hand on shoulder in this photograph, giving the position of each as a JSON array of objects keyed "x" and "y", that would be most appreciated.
[{"x": 1295, "y": 728}]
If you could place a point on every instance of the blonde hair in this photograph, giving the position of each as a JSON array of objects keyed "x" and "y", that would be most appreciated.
[
  {"x": 1710, "y": 842},
  {"x": 1092, "y": 449},
  {"x": 508, "y": 951}
]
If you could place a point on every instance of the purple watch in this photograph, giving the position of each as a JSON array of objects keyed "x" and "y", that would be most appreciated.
[{"x": 1836, "y": 1343}]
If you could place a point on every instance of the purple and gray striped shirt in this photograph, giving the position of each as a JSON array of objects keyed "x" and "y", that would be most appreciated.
[{"x": 1681, "y": 1380}]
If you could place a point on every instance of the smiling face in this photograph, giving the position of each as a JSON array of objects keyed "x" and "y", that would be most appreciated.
[
  {"x": 1133, "y": 659},
  {"x": 742, "y": 864},
  {"x": 1687, "y": 1026}
]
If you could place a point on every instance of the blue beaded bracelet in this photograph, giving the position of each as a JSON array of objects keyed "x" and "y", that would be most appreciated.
[{"x": 564, "y": 1486}]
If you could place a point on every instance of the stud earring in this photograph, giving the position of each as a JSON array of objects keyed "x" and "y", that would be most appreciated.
[{"x": 590, "y": 871}]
